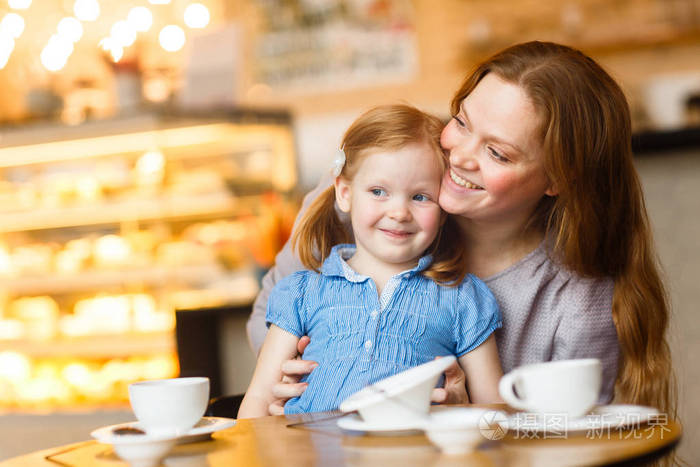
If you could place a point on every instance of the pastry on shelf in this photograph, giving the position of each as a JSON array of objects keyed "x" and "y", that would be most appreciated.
[
  {"x": 12, "y": 329},
  {"x": 183, "y": 253},
  {"x": 74, "y": 256},
  {"x": 196, "y": 181},
  {"x": 39, "y": 314},
  {"x": 33, "y": 259},
  {"x": 149, "y": 169},
  {"x": 6, "y": 266},
  {"x": 147, "y": 317},
  {"x": 111, "y": 251}
]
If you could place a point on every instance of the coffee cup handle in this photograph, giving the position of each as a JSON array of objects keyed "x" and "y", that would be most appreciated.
[{"x": 505, "y": 389}]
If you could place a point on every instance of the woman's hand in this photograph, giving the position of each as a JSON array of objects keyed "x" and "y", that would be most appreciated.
[
  {"x": 292, "y": 371},
  {"x": 455, "y": 388}
]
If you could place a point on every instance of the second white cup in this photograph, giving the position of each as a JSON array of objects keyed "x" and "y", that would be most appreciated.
[
  {"x": 169, "y": 406},
  {"x": 570, "y": 387}
]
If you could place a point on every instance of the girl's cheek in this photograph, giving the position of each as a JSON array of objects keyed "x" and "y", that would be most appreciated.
[{"x": 431, "y": 220}]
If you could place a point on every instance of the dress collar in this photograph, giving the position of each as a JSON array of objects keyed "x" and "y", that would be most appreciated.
[{"x": 336, "y": 264}]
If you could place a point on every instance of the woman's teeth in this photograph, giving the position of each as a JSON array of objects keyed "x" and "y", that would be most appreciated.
[{"x": 462, "y": 182}]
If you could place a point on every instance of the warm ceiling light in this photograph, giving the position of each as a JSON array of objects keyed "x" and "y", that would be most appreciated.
[
  {"x": 19, "y": 4},
  {"x": 12, "y": 24},
  {"x": 116, "y": 52},
  {"x": 51, "y": 60},
  {"x": 71, "y": 29},
  {"x": 196, "y": 16},
  {"x": 56, "y": 53},
  {"x": 7, "y": 45},
  {"x": 124, "y": 33},
  {"x": 106, "y": 43},
  {"x": 172, "y": 38},
  {"x": 86, "y": 10},
  {"x": 140, "y": 18},
  {"x": 115, "y": 49},
  {"x": 60, "y": 45},
  {"x": 158, "y": 2}
]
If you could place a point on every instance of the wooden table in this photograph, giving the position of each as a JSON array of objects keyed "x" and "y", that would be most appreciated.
[{"x": 268, "y": 441}]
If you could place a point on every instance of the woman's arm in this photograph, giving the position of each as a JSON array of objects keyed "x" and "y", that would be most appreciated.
[
  {"x": 483, "y": 371},
  {"x": 278, "y": 347}
]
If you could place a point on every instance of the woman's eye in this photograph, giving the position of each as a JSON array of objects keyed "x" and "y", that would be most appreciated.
[
  {"x": 497, "y": 155},
  {"x": 421, "y": 198},
  {"x": 377, "y": 192},
  {"x": 459, "y": 121}
]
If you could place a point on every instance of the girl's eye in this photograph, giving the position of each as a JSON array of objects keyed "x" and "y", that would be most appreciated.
[
  {"x": 496, "y": 155},
  {"x": 459, "y": 121},
  {"x": 421, "y": 198},
  {"x": 377, "y": 192}
]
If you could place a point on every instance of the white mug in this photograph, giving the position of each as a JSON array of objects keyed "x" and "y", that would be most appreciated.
[
  {"x": 570, "y": 387},
  {"x": 169, "y": 406}
]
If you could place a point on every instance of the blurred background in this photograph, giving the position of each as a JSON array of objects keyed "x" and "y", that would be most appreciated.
[{"x": 153, "y": 155}]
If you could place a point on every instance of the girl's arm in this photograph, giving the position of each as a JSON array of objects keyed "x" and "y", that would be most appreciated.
[
  {"x": 483, "y": 370},
  {"x": 279, "y": 346}
]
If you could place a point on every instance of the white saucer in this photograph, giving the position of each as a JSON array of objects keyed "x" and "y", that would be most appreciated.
[
  {"x": 204, "y": 427},
  {"x": 604, "y": 417},
  {"x": 353, "y": 422}
]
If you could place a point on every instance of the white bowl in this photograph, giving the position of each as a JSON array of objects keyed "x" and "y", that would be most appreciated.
[
  {"x": 140, "y": 450},
  {"x": 169, "y": 406},
  {"x": 458, "y": 430},
  {"x": 402, "y": 397},
  {"x": 147, "y": 454}
]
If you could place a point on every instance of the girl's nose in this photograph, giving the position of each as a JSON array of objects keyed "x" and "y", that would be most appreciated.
[{"x": 399, "y": 212}]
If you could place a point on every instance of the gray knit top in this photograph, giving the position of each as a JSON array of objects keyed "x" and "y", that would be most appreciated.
[{"x": 548, "y": 312}]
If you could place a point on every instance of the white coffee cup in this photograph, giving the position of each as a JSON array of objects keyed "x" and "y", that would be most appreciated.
[
  {"x": 570, "y": 387},
  {"x": 169, "y": 406}
]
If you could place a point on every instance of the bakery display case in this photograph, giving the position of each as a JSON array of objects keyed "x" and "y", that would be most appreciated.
[{"x": 108, "y": 227}]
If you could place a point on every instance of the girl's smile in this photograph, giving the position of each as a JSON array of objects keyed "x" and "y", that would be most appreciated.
[{"x": 400, "y": 234}]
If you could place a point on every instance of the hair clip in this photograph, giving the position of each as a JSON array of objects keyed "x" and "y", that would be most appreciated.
[{"x": 338, "y": 162}]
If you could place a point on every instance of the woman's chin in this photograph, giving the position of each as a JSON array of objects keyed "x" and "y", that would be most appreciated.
[{"x": 452, "y": 205}]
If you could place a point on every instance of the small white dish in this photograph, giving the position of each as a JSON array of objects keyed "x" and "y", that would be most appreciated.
[
  {"x": 604, "y": 417},
  {"x": 147, "y": 450},
  {"x": 354, "y": 422},
  {"x": 458, "y": 430},
  {"x": 136, "y": 449},
  {"x": 399, "y": 399}
]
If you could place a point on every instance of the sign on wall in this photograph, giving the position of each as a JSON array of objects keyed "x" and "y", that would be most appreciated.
[{"x": 309, "y": 45}]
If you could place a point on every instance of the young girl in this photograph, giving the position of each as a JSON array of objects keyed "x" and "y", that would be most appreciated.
[{"x": 399, "y": 296}]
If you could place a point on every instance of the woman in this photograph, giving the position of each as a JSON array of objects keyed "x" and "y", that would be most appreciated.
[{"x": 542, "y": 182}]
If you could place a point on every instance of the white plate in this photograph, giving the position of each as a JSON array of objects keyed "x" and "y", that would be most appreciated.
[
  {"x": 353, "y": 422},
  {"x": 204, "y": 427},
  {"x": 605, "y": 417}
]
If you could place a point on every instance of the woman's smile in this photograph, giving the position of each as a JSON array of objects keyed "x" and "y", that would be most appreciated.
[{"x": 462, "y": 182}]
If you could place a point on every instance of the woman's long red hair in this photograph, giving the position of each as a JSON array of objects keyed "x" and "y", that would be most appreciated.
[{"x": 598, "y": 220}]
